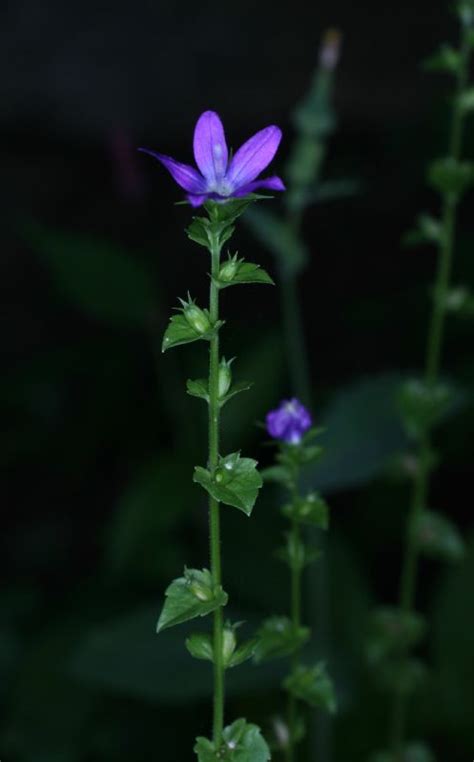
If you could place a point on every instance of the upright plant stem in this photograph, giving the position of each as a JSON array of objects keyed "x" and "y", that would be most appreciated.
[
  {"x": 432, "y": 366},
  {"x": 214, "y": 514},
  {"x": 295, "y": 605}
]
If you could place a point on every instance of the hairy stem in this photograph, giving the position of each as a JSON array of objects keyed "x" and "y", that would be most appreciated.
[
  {"x": 432, "y": 365},
  {"x": 214, "y": 510}
]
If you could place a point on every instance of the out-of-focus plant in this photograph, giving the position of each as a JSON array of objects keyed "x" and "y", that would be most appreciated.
[
  {"x": 291, "y": 426},
  {"x": 424, "y": 402},
  {"x": 224, "y": 188}
]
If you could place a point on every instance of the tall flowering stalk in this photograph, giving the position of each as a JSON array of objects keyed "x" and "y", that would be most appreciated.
[
  {"x": 290, "y": 425},
  {"x": 423, "y": 403},
  {"x": 314, "y": 122},
  {"x": 223, "y": 188}
]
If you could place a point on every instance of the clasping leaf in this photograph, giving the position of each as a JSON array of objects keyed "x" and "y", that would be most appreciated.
[
  {"x": 235, "y": 482},
  {"x": 190, "y": 596},
  {"x": 241, "y": 742}
]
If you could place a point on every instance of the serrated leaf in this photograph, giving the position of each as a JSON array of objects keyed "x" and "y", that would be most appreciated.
[
  {"x": 393, "y": 632},
  {"x": 190, "y": 596},
  {"x": 179, "y": 331},
  {"x": 235, "y": 482},
  {"x": 247, "y": 272},
  {"x": 313, "y": 685},
  {"x": 437, "y": 537},
  {"x": 241, "y": 742},
  {"x": 450, "y": 176},
  {"x": 279, "y": 637},
  {"x": 199, "y": 645},
  {"x": 311, "y": 510},
  {"x": 198, "y": 388}
]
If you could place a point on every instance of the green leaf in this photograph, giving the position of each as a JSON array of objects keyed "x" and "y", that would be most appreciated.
[
  {"x": 309, "y": 510},
  {"x": 190, "y": 596},
  {"x": 279, "y": 238},
  {"x": 198, "y": 231},
  {"x": 466, "y": 100},
  {"x": 450, "y": 176},
  {"x": 313, "y": 685},
  {"x": 423, "y": 406},
  {"x": 414, "y": 752},
  {"x": 228, "y": 212},
  {"x": 199, "y": 645},
  {"x": 428, "y": 230},
  {"x": 97, "y": 276},
  {"x": 180, "y": 331},
  {"x": 245, "y": 272},
  {"x": 279, "y": 474},
  {"x": 437, "y": 537},
  {"x": 445, "y": 59},
  {"x": 241, "y": 742},
  {"x": 243, "y": 652},
  {"x": 393, "y": 632},
  {"x": 240, "y": 386},
  {"x": 278, "y": 637},
  {"x": 198, "y": 388},
  {"x": 402, "y": 676},
  {"x": 235, "y": 482},
  {"x": 296, "y": 554}
]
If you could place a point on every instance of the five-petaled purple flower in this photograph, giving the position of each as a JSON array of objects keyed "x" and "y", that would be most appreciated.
[
  {"x": 218, "y": 178},
  {"x": 289, "y": 421}
]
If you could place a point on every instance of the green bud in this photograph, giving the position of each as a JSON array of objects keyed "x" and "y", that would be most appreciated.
[
  {"x": 196, "y": 318},
  {"x": 229, "y": 644},
  {"x": 225, "y": 377},
  {"x": 229, "y": 270}
]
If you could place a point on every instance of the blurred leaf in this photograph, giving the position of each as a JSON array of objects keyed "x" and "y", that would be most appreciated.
[
  {"x": 150, "y": 506},
  {"x": 428, "y": 230},
  {"x": 242, "y": 742},
  {"x": 437, "y": 537},
  {"x": 445, "y": 59},
  {"x": 278, "y": 637},
  {"x": 447, "y": 175},
  {"x": 363, "y": 432},
  {"x": 313, "y": 685},
  {"x": 236, "y": 481},
  {"x": 416, "y": 752},
  {"x": 96, "y": 276},
  {"x": 402, "y": 676},
  {"x": 452, "y": 627},
  {"x": 393, "y": 631},
  {"x": 190, "y": 596},
  {"x": 124, "y": 656},
  {"x": 279, "y": 238},
  {"x": 311, "y": 509}
]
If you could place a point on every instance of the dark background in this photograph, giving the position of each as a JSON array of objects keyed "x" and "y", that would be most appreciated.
[{"x": 99, "y": 512}]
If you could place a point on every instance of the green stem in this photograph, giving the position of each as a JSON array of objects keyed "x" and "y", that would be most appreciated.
[
  {"x": 295, "y": 605},
  {"x": 214, "y": 511},
  {"x": 432, "y": 366}
]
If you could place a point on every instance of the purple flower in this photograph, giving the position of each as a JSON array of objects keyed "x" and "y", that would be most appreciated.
[
  {"x": 218, "y": 178},
  {"x": 289, "y": 422}
]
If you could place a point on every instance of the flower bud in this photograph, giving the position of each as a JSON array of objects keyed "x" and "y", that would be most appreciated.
[
  {"x": 229, "y": 643},
  {"x": 225, "y": 377},
  {"x": 196, "y": 318},
  {"x": 229, "y": 270}
]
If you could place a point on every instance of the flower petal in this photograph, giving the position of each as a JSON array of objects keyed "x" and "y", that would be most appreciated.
[
  {"x": 187, "y": 177},
  {"x": 197, "y": 200},
  {"x": 254, "y": 156},
  {"x": 270, "y": 183},
  {"x": 210, "y": 147}
]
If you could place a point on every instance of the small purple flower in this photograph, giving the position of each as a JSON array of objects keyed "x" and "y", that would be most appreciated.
[
  {"x": 218, "y": 178},
  {"x": 289, "y": 422}
]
